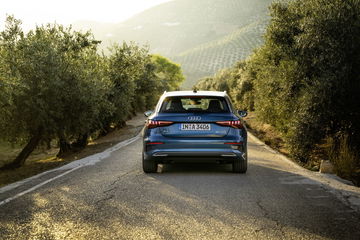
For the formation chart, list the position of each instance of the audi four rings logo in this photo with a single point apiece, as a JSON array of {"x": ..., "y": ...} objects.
[{"x": 194, "y": 118}]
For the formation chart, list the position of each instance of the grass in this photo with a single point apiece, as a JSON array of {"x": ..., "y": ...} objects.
[
  {"x": 7, "y": 152},
  {"x": 266, "y": 133},
  {"x": 346, "y": 160},
  {"x": 273, "y": 138},
  {"x": 39, "y": 161},
  {"x": 42, "y": 160}
]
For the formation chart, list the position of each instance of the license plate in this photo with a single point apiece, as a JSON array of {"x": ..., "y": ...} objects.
[{"x": 195, "y": 127}]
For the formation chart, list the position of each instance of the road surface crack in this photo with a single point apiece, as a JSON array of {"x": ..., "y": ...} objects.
[
  {"x": 112, "y": 187},
  {"x": 266, "y": 214},
  {"x": 263, "y": 209},
  {"x": 107, "y": 198}
]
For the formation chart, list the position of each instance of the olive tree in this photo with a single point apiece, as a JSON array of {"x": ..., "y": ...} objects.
[{"x": 51, "y": 84}]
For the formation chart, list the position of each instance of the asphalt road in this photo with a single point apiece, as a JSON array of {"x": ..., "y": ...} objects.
[{"x": 114, "y": 199}]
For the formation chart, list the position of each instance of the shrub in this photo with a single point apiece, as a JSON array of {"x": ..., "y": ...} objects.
[{"x": 346, "y": 159}]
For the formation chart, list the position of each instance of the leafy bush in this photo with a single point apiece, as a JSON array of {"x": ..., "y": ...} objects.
[
  {"x": 55, "y": 85},
  {"x": 305, "y": 79},
  {"x": 236, "y": 81},
  {"x": 345, "y": 159},
  {"x": 126, "y": 65},
  {"x": 311, "y": 50}
]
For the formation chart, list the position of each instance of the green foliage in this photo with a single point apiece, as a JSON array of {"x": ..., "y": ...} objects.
[
  {"x": 126, "y": 66},
  {"x": 54, "y": 82},
  {"x": 345, "y": 159},
  {"x": 147, "y": 87},
  {"x": 235, "y": 81},
  {"x": 168, "y": 73},
  {"x": 55, "y": 85},
  {"x": 311, "y": 50},
  {"x": 160, "y": 75},
  {"x": 206, "y": 83},
  {"x": 305, "y": 79}
]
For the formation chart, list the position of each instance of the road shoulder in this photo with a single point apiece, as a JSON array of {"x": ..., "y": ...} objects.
[
  {"x": 40, "y": 168},
  {"x": 343, "y": 189}
]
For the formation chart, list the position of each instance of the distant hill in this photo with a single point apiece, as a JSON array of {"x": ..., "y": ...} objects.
[
  {"x": 203, "y": 36},
  {"x": 208, "y": 58}
]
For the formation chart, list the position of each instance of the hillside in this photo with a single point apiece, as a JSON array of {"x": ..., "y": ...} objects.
[
  {"x": 203, "y": 36},
  {"x": 206, "y": 59}
]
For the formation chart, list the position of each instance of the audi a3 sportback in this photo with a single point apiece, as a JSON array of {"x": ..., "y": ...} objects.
[{"x": 191, "y": 126}]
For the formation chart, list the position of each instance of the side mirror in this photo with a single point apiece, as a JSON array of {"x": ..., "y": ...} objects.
[
  {"x": 148, "y": 113},
  {"x": 242, "y": 113}
]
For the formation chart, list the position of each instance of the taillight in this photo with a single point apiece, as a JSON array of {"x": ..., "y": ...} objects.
[
  {"x": 154, "y": 143},
  {"x": 234, "y": 124},
  {"x": 154, "y": 123},
  {"x": 236, "y": 145}
]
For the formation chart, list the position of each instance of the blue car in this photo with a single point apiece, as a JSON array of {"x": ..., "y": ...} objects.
[{"x": 195, "y": 126}]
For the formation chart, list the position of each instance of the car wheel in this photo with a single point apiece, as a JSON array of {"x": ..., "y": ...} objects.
[
  {"x": 240, "y": 166},
  {"x": 149, "y": 166}
]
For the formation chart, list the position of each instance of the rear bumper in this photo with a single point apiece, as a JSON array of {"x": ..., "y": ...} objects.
[
  {"x": 161, "y": 149},
  {"x": 195, "y": 155}
]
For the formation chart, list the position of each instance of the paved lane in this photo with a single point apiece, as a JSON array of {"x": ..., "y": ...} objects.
[{"x": 114, "y": 199}]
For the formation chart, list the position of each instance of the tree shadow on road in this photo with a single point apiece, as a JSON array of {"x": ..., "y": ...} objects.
[{"x": 185, "y": 201}]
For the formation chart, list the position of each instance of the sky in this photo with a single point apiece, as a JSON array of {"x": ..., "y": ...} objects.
[{"x": 32, "y": 12}]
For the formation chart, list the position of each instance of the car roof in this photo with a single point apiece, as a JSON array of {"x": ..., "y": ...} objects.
[{"x": 193, "y": 93}]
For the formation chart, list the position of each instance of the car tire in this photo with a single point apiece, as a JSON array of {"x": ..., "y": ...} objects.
[
  {"x": 149, "y": 166},
  {"x": 240, "y": 166}
]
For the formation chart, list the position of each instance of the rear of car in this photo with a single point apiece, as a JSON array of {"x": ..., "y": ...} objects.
[{"x": 195, "y": 127}]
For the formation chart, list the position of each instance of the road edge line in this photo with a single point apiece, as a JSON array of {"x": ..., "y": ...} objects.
[
  {"x": 74, "y": 165},
  {"x": 37, "y": 186}
]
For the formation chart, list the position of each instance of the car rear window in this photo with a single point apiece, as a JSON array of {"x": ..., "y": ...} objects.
[{"x": 187, "y": 104}]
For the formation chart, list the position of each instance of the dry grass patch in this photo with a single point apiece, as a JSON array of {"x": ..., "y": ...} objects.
[
  {"x": 266, "y": 133},
  {"x": 344, "y": 159},
  {"x": 273, "y": 138}
]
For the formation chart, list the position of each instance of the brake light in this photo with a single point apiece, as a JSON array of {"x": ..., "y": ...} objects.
[
  {"x": 155, "y": 124},
  {"x": 154, "y": 143},
  {"x": 236, "y": 145},
  {"x": 233, "y": 124}
]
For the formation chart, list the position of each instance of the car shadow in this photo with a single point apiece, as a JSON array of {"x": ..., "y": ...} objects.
[{"x": 195, "y": 168}]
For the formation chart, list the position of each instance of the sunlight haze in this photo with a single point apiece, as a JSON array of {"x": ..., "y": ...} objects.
[{"x": 69, "y": 11}]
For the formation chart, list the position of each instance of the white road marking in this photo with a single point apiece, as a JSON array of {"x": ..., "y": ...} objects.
[
  {"x": 90, "y": 160},
  {"x": 37, "y": 186}
]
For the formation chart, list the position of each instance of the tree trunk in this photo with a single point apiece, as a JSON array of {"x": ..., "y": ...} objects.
[
  {"x": 65, "y": 147},
  {"x": 48, "y": 144},
  {"x": 25, "y": 153},
  {"x": 121, "y": 124},
  {"x": 105, "y": 129},
  {"x": 81, "y": 142}
]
